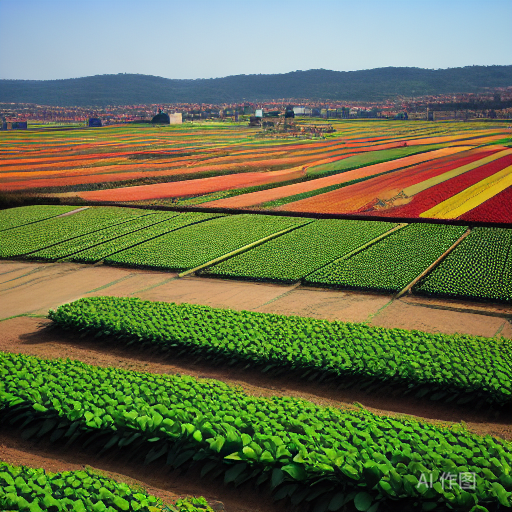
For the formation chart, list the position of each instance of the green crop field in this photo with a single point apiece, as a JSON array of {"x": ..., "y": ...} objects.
[
  {"x": 196, "y": 245},
  {"x": 298, "y": 253},
  {"x": 480, "y": 267},
  {"x": 319, "y": 415},
  {"x": 433, "y": 365},
  {"x": 299, "y": 450},
  {"x": 392, "y": 263},
  {"x": 46, "y": 233},
  {"x": 362, "y": 254},
  {"x": 15, "y": 217},
  {"x": 162, "y": 223}
]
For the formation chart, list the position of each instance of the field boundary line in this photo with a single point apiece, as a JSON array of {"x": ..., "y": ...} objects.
[
  {"x": 294, "y": 286},
  {"x": 357, "y": 249},
  {"x": 240, "y": 250},
  {"x": 142, "y": 290},
  {"x": 432, "y": 265},
  {"x": 371, "y": 316},
  {"x": 108, "y": 285},
  {"x": 73, "y": 211}
]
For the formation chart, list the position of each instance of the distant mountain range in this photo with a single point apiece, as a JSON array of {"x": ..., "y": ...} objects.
[{"x": 316, "y": 84}]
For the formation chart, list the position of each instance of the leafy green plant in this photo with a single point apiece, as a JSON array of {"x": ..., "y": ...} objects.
[
  {"x": 451, "y": 367},
  {"x": 301, "y": 451},
  {"x": 35, "y": 490}
]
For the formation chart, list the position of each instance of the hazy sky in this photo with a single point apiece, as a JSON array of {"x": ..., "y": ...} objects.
[{"x": 47, "y": 39}]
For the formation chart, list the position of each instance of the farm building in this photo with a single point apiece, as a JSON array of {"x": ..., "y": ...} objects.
[{"x": 14, "y": 125}]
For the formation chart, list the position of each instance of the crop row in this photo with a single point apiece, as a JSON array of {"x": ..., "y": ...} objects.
[
  {"x": 294, "y": 255},
  {"x": 115, "y": 245},
  {"x": 198, "y": 244},
  {"x": 392, "y": 263},
  {"x": 23, "y": 488},
  {"x": 442, "y": 366},
  {"x": 301, "y": 450},
  {"x": 15, "y": 217},
  {"x": 34, "y": 237},
  {"x": 480, "y": 267}
]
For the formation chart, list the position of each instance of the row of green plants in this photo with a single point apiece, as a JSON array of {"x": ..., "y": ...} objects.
[
  {"x": 480, "y": 267},
  {"x": 394, "y": 262},
  {"x": 108, "y": 248},
  {"x": 28, "y": 239},
  {"x": 452, "y": 367},
  {"x": 306, "y": 453},
  {"x": 294, "y": 255},
  {"x": 35, "y": 490},
  {"x": 198, "y": 244},
  {"x": 20, "y": 216},
  {"x": 67, "y": 249}
]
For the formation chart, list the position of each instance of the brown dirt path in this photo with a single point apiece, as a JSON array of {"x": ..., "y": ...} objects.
[{"x": 33, "y": 288}]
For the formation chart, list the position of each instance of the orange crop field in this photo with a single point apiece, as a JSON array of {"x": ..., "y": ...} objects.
[{"x": 359, "y": 167}]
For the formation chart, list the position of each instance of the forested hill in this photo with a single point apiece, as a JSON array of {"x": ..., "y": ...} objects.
[{"x": 317, "y": 84}]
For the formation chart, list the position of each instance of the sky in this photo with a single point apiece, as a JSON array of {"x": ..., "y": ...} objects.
[{"x": 56, "y": 39}]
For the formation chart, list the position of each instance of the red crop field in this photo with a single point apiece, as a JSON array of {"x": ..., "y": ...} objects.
[{"x": 357, "y": 197}]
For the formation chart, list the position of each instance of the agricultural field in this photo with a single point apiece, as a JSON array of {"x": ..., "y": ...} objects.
[
  {"x": 481, "y": 267},
  {"x": 379, "y": 168},
  {"x": 392, "y": 263},
  {"x": 200, "y": 244},
  {"x": 294, "y": 255},
  {"x": 243, "y": 408},
  {"x": 433, "y": 259}
]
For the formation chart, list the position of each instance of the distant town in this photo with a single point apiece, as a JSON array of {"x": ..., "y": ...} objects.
[{"x": 494, "y": 104}]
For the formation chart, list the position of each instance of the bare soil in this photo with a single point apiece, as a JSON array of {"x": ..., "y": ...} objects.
[{"x": 34, "y": 288}]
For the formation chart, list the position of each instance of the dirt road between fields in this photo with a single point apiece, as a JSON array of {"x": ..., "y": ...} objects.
[{"x": 34, "y": 288}]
